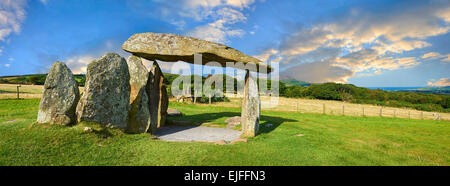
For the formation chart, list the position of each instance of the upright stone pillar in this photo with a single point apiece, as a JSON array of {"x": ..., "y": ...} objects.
[
  {"x": 164, "y": 105},
  {"x": 251, "y": 107},
  {"x": 60, "y": 96},
  {"x": 158, "y": 99},
  {"x": 106, "y": 96},
  {"x": 139, "y": 114}
]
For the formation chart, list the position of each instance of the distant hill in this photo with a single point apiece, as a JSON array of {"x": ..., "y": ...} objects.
[
  {"x": 429, "y": 90},
  {"x": 291, "y": 82}
]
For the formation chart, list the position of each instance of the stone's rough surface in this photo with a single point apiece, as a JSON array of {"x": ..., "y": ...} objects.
[
  {"x": 164, "y": 105},
  {"x": 107, "y": 92},
  {"x": 60, "y": 96},
  {"x": 233, "y": 121},
  {"x": 158, "y": 102},
  {"x": 173, "y": 112},
  {"x": 251, "y": 107},
  {"x": 173, "y": 48},
  {"x": 139, "y": 114}
]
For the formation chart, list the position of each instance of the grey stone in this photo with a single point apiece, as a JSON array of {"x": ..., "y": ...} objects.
[
  {"x": 173, "y": 112},
  {"x": 107, "y": 92},
  {"x": 173, "y": 48},
  {"x": 251, "y": 107},
  {"x": 157, "y": 101},
  {"x": 164, "y": 105},
  {"x": 139, "y": 114},
  {"x": 233, "y": 121},
  {"x": 60, "y": 96}
]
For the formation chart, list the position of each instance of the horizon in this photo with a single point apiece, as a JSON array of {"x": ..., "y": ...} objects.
[{"x": 368, "y": 44}]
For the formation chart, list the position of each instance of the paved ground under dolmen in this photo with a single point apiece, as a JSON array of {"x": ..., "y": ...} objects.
[{"x": 196, "y": 133}]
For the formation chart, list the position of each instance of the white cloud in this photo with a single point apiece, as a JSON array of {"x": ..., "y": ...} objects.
[
  {"x": 436, "y": 55},
  {"x": 431, "y": 55},
  {"x": 364, "y": 41},
  {"x": 447, "y": 58},
  {"x": 44, "y": 2},
  {"x": 218, "y": 17},
  {"x": 7, "y": 65},
  {"x": 266, "y": 54},
  {"x": 240, "y": 3},
  {"x": 219, "y": 30},
  {"x": 78, "y": 64},
  {"x": 12, "y": 14},
  {"x": 319, "y": 72},
  {"x": 10, "y": 59},
  {"x": 443, "y": 82}
]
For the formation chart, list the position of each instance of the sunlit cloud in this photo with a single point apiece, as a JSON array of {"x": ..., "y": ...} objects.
[
  {"x": 436, "y": 55},
  {"x": 365, "y": 41},
  {"x": 443, "y": 82},
  {"x": 78, "y": 64}
]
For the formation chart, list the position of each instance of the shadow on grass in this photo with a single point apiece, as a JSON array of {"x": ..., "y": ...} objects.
[{"x": 191, "y": 121}]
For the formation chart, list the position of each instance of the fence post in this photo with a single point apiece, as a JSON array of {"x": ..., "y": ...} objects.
[
  {"x": 409, "y": 114},
  {"x": 343, "y": 110},
  {"x": 421, "y": 115},
  {"x": 324, "y": 111},
  {"x": 210, "y": 99},
  {"x": 381, "y": 112},
  {"x": 395, "y": 113},
  {"x": 363, "y": 112},
  {"x": 18, "y": 97}
]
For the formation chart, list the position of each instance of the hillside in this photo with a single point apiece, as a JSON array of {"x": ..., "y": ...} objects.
[
  {"x": 430, "y": 90},
  {"x": 294, "y": 82}
]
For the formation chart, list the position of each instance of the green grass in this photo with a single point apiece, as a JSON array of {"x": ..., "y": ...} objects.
[{"x": 327, "y": 140}]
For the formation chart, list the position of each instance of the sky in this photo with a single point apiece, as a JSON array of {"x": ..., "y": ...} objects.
[{"x": 370, "y": 43}]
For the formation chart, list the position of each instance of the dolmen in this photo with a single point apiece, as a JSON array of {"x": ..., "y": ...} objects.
[{"x": 125, "y": 94}]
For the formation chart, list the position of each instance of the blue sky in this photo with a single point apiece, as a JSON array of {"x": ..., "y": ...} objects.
[{"x": 366, "y": 43}]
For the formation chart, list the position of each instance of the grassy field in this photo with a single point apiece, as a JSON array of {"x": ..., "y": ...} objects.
[{"x": 326, "y": 140}]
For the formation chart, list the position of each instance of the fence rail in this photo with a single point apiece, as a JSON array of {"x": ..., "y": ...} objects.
[{"x": 349, "y": 109}]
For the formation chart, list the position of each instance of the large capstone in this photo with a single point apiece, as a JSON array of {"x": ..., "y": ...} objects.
[
  {"x": 251, "y": 107},
  {"x": 158, "y": 100},
  {"x": 173, "y": 48},
  {"x": 60, "y": 96},
  {"x": 139, "y": 114},
  {"x": 107, "y": 92}
]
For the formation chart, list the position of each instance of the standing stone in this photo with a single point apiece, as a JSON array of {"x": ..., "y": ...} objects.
[
  {"x": 164, "y": 105},
  {"x": 60, "y": 96},
  {"x": 158, "y": 100},
  {"x": 107, "y": 92},
  {"x": 139, "y": 114},
  {"x": 251, "y": 107}
]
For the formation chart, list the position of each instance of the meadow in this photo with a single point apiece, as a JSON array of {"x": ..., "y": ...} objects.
[{"x": 293, "y": 139}]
